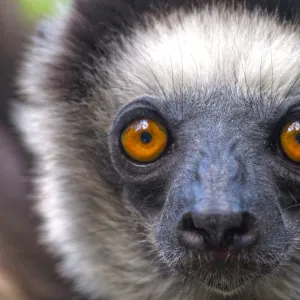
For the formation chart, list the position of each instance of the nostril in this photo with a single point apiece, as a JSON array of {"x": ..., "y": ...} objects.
[
  {"x": 188, "y": 225},
  {"x": 189, "y": 235},
  {"x": 242, "y": 236},
  {"x": 187, "y": 222}
]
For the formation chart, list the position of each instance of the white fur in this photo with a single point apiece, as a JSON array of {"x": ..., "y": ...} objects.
[
  {"x": 250, "y": 53},
  {"x": 68, "y": 229}
]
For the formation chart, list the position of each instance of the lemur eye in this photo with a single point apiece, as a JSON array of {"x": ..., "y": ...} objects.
[
  {"x": 290, "y": 140},
  {"x": 144, "y": 140}
]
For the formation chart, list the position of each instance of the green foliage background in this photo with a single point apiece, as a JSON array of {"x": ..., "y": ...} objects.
[{"x": 35, "y": 9}]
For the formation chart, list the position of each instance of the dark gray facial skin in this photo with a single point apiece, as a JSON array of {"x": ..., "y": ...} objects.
[{"x": 223, "y": 160}]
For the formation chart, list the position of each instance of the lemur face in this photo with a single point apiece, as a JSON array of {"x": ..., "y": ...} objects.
[
  {"x": 166, "y": 138},
  {"x": 214, "y": 197}
]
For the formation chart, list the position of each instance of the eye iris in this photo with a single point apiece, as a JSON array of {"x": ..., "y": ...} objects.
[
  {"x": 144, "y": 140},
  {"x": 290, "y": 141}
]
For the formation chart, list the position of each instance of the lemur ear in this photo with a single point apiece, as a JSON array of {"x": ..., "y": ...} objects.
[
  {"x": 80, "y": 5},
  {"x": 86, "y": 6},
  {"x": 98, "y": 18},
  {"x": 122, "y": 7}
]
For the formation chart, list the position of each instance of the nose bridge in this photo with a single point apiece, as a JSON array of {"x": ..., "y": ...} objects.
[
  {"x": 218, "y": 173},
  {"x": 219, "y": 217}
]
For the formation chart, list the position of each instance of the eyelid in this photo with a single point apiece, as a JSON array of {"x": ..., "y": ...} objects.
[
  {"x": 140, "y": 110},
  {"x": 130, "y": 112},
  {"x": 286, "y": 112}
]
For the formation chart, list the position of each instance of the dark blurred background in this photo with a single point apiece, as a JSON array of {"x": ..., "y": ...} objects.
[{"x": 26, "y": 271}]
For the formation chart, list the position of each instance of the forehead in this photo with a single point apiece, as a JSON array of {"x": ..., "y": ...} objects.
[{"x": 246, "y": 53}]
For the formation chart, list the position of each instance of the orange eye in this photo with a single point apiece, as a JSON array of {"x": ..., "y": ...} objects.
[
  {"x": 144, "y": 140},
  {"x": 290, "y": 140}
]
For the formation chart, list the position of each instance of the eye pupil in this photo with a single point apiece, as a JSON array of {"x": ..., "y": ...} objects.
[
  {"x": 298, "y": 138},
  {"x": 146, "y": 137}
]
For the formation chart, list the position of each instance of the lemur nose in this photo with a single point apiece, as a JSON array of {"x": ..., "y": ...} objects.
[{"x": 217, "y": 231}]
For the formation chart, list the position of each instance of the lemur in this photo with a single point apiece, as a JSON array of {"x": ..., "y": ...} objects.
[{"x": 165, "y": 137}]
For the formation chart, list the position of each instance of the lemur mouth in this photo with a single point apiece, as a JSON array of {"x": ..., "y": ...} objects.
[
  {"x": 231, "y": 260},
  {"x": 224, "y": 271},
  {"x": 222, "y": 256},
  {"x": 231, "y": 273}
]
